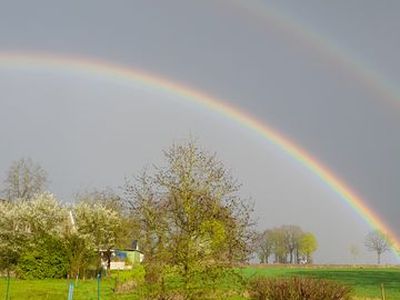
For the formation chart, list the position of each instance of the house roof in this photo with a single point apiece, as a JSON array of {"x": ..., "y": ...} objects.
[
  {"x": 122, "y": 249},
  {"x": 129, "y": 250}
]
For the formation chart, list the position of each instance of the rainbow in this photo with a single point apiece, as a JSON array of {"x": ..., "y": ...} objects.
[
  {"x": 344, "y": 59},
  {"x": 120, "y": 73}
]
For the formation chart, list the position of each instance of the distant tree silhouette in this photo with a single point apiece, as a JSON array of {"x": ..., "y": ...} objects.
[
  {"x": 24, "y": 180},
  {"x": 378, "y": 242}
]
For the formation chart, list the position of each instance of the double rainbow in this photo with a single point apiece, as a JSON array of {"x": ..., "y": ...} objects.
[
  {"x": 337, "y": 55},
  {"x": 122, "y": 74}
]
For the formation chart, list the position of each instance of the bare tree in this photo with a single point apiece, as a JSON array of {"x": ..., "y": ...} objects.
[
  {"x": 106, "y": 197},
  {"x": 24, "y": 179},
  {"x": 378, "y": 242},
  {"x": 265, "y": 246},
  {"x": 354, "y": 251}
]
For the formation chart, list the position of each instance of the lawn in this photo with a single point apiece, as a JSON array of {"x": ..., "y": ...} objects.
[
  {"x": 57, "y": 289},
  {"x": 365, "y": 280}
]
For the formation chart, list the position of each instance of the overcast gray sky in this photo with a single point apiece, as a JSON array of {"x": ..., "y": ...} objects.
[{"x": 261, "y": 56}]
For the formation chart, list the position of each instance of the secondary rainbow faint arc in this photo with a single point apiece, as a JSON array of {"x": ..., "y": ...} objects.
[
  {"x": 352, "y": 66},
  {"x": 121, "y": 73}
]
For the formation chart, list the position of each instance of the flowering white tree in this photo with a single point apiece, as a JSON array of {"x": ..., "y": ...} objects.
[
  {"x": 31, "y": 235},
  {"x": 102, "y": 226},
  {"x": 38, "y": 233},
  {"x": 12, "y": 235},
  {"x": 43, "y": 214}
]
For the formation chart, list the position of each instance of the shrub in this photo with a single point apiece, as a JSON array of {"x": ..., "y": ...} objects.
[
  {"x": 45, "y": 258},
  {"x": 297, "y": 288}
]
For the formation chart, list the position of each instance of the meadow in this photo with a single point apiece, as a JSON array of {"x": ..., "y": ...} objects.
[{"x": 365, "y": 280}]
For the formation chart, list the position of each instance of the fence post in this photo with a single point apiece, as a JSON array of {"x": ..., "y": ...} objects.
[
  {"x": 383, "y": 292},
  {"x": 8, "y": 285},
  {"x": 98, "y": 285},
  {"x": 71, "y": 291}
]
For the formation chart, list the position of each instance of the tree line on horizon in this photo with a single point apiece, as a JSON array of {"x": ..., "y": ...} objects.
[{"x": 287, "y": 244}]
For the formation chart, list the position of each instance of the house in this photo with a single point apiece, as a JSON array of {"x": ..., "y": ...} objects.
[{"x": 123, "y": 259}]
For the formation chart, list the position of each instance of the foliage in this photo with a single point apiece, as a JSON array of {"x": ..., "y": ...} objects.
[
  {"x": 287, "y": 244},
  {"x": 83, "y": 260},
  {"x": 297, "y": 288},
  {"x": 45, "y": 258},
  {"x": 307, "y": 246},
  {"x": 12, "y": 235},
  {"x": 292, "y": 237},
  {"x": 25, "y": 223},
  {"x": 127, "y": 280},
  {"x": 42, "y": 215},
  {"x": 190, "y": 218},
  {"x": 101, "y": 227},
  {"x": 38, "y": 236},
  {"x": 24, "y": 180}
]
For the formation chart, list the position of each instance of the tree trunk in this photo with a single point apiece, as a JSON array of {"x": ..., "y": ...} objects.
[{"x": 108, "y": 260}]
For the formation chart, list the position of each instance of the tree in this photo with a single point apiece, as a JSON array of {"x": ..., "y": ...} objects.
[
  {"x": 190, "y": 217},
  {"x": 12, "y": 235},
  {"x": 106, "y": 197},
  {"x": 43, "y": 215},
  {"x": 279, "y": 248},
  {"x": 291, "y": 236},
  {"x": 307, "y": 246},
  {"x": 30, "y": 236},
  {"x": 378, "y": 242},
  {"x": 24, "y": 179},
  {"x": 80, "y": 253},
  {"x": 354, "y": 251},
  {"x": 265, "y": 246},
  {"x": 102, "y": 227},
  {"x": 288, "y": 243}
]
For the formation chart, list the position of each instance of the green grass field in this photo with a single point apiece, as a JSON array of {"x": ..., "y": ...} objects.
[{"x": 365, "y": 281}]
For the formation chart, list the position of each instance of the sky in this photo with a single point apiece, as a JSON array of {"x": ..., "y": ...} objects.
[{"x": 324, "y": 74}]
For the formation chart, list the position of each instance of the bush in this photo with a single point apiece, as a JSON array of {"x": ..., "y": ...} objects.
[
  {"x": 217, "y": 283},
  {"x": 45, "y": 258},
  {"x": 297, "y": 288}
]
